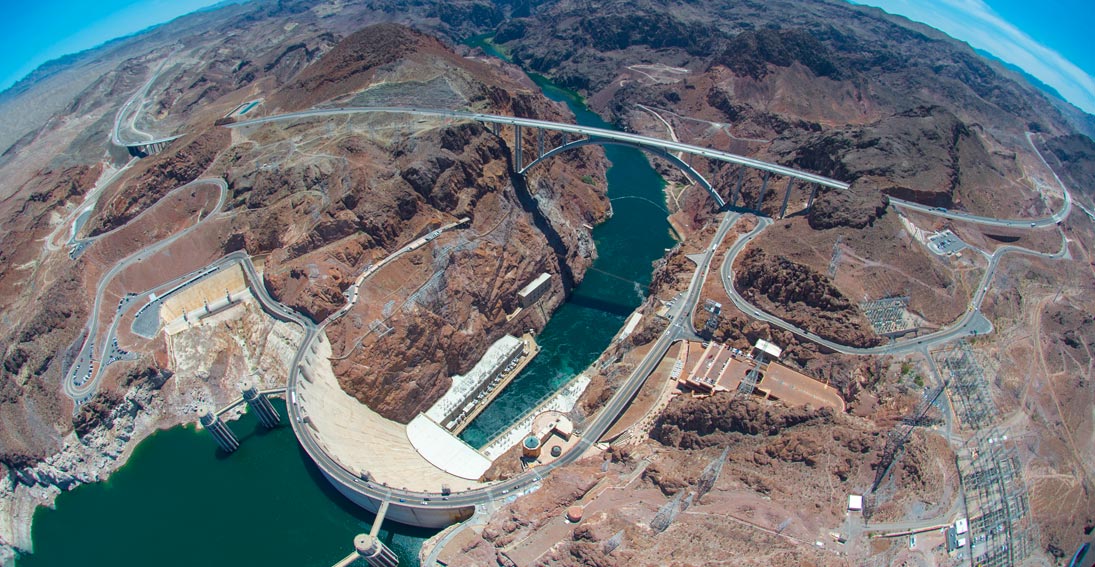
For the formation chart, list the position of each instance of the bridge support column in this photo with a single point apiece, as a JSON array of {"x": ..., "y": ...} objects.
[
  {"x": 540, "y": 143},
  {"x": 517, "y": 147},
  {"x": 258, "y": 403},
  {"x": 497, "y": 128},
  {"x": 220, "y": 432},
  {"x": 786, "y": 197},
  {"x": 763, "y": 190},
  {"x": 813, "y": 193},
  {"x": 737, "y": 188}
]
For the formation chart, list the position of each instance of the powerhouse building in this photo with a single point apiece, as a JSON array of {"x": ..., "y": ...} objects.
[{"x": 469, "y": 389}]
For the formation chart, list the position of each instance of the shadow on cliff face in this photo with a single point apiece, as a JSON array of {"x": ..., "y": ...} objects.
[{"x": 528, "y": 203}]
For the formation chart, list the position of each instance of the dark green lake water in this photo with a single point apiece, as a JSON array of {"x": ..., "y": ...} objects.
[{"x": 179, "y": 502}]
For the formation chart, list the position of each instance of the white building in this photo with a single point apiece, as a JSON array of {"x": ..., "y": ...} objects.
[
  {"x": 534, "y": 290},
  {"x": 855, "y": 502}
]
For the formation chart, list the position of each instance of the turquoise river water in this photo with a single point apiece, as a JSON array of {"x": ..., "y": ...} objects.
[{"x": 180, "y": 502}]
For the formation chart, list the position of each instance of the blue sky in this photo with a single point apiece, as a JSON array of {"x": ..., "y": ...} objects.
[
  {"x": 33, "y": 32},
  {"x": 1050, "y": 39}
]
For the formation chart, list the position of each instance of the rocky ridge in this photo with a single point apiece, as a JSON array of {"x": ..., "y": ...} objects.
[
  {"x": 445, "y": 172},
  {"x": 803, "y": 297}
]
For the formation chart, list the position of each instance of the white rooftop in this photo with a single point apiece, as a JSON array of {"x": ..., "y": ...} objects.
[
  {"x": 769, "y": 348},
  {"x": 534, "y": 283},
  {"x": 855, "y": 502},
  {"x": 464, "y": 385},
  {"x": 445, "y": 450}
]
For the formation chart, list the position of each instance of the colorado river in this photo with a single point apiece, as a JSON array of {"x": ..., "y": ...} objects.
[
  {"x": 179, "y": 502},
  {"x": 627, "y": 244}
]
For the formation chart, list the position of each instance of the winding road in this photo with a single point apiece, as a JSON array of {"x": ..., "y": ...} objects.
[
  {"x": 971, "y": 323},
  {"x": 81, "y": 391},
  {"x": 115, "y": 133},
  {"x": 69, "y": 224}
]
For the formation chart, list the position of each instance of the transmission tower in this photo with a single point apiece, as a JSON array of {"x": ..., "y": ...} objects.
[
  {"x": 666, "y": 514},
  {"x": 895, "y": 441},
  {"x": 613, "y": 542},
  {"x": 711, "y": 474}
]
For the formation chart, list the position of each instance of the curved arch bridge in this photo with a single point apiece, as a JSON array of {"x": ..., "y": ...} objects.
[{"x": 585, "y": 136}]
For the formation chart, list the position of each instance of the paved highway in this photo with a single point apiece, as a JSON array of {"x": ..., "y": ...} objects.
[
  {"x": 1060, "y": 215},
  {"x": 115, "y": 133},
  {"x": 90, "y": 200},
  {"x": 972, "y": 322},
  {"x": 558, "y": 127},
  {"x": 85, "y": 359},
  {"x": 1051, "y": 220}
]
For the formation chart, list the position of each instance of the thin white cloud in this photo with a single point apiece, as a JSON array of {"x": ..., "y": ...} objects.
[{"x": 976, "y": 23}]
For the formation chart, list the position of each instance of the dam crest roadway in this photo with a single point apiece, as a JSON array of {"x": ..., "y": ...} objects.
[{"x": 436, "y": 509}]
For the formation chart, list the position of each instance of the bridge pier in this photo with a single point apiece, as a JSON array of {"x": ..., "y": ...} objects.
[
  {"x": 813, "y": 193},
  {"x": 786, "y": 197},
  {"x": 517, "y": 147},
  {"x": 737, "y": 188},
  {"x": 220, "y": 432},
  {"x": 540, "y": 142},
  {"x": 763, "y": 190},
  {"x": 258, "y": 403}
]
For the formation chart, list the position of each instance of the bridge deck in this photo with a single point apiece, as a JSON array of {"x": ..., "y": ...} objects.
[{"x": 560, "y": 127}]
